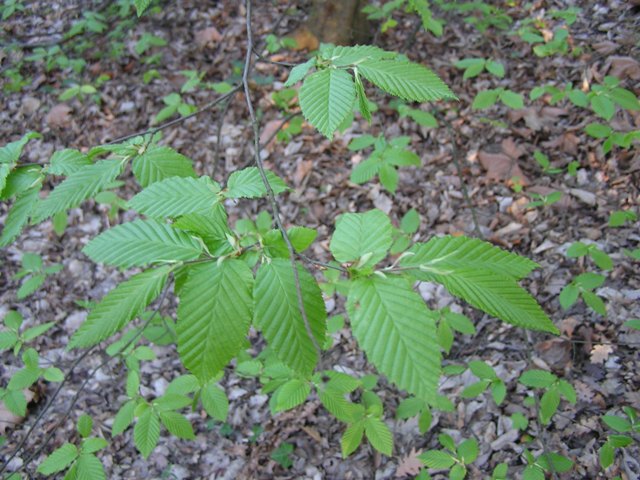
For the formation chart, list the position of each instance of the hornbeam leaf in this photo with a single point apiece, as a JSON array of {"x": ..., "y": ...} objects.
[
  {"x": 80, "y": 185},
  {"x": 278, "y": 315},
  {"x": 247, "y": 183},
  {"x": 19, "y": 214},
  {"x": 359, "y": 234},
  {"x": 342, "y": 56},
  {"x": 160, "y": 163},
  {"x": 406, "y": 80},
  {"x": 397, "y": 332},
  {"x": 177, "y": 196},
  {"x": 326, "y": 98},
  {"x": 379, "y": 435},
  {"x": 214, "y": 316},
  {"x": 119, "y": 307},
  {"x": 67, "y": 162},
  {"x": 443, "y": 254},
  {"x": 142, "y": 242},
  {"x": 146, "y": 433}
]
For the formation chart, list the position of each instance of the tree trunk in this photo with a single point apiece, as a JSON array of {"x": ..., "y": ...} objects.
[{"x": 340, "y": 22}]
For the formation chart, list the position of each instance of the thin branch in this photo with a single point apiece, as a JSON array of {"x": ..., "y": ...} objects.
[
  {"x": 171, "y": 123},
  {"x": 264, "y": 59},
  {"x": 270, "y": 194},
  {"x": 75, "y": 398},
  {"x": 44, "y": 410}
]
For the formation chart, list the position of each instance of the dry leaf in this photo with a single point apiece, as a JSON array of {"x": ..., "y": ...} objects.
[
  {"x": 305, "y": 40},
  {"x": 501, "y": 167},
  {"x": 410, "y": 465},
  {"x": 622, "y": 67},
  {"x": 303, "y": 168},
  {"x": 605, "y": 47},
  {"x": 207, "y": 37},
  {"x": 59, "y": 116},
  {"x": 556, "y": 353},
  {"x": 511, "y": 148},
  {"x": 268, "y": 131},
  {"x": 600, "y": 353}
]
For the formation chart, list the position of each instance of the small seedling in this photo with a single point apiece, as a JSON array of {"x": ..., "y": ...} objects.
[
  {"x": 452, "y": 458},
  {"x": 583, "y": 286},
  {"x": 34, "y": 274},
  {"x": 601, "y": 259},
  {"x": 13, "y": 338}
]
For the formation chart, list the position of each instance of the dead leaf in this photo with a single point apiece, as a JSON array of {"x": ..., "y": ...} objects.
[
  {"x": 305, "y": 40},
  {"x": 600, "y": 353},
  {"x": 511, "y": 148},
  {"x": 207, "y": 37},
  {"x": 606, "y": 47},
  {"x": 59, "y": 116},
  {"x": 621, "y": 67},
  {"x": 501, "y": 167},
  {"x": 556, "y": 353},
  {"x": 268, "y": 131},
  {"x": 410, "y": 464},
  {"x": 568, "y": 325},
  {"x": 303, "y": 168}
]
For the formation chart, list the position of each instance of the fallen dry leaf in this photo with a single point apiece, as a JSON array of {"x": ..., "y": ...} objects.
[
  {"x": 600, "y": 353},
  {"x": 207, "y": 37},
  {"x": 500, "y": 166},
  {"x": 556, "y": 353},
  {"x": 622, "y": 67},
  {"x": 303, "y": 168},
  {"x": 305, "y": 40},
  {"x": 410, "y": 464},
  {"x": 59, "y": 116},
  {"x": 605, "y": 47}
]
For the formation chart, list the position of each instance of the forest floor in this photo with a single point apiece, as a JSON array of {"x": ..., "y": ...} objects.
[{"x": 465, "y": 185}]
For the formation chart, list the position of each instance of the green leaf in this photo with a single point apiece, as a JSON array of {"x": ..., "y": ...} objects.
[
  {"x": 215, "y": 401},
  {"x": 410, "y": 81},
  {"x": 363, "y": 103},
  {"x": 482, "y": 370},
  {"x": 15, "y": 402},
  {"x": 24, "y": 378},
  {"x": 352, "y": 438},
  {"x": 555, "y": 462},
  {"x": 601, "y": 259},
  {"x": 89, "y": 467},
  {"x": 214, "y": 315},
  {"x": 410, "y": 407},
  {"x": 140, "y": 243},
  {"x": 498, "y": 391},
  {"x": 437, "y": 459},
  {"x": 568, "y": 296},
  {"x": 301, "y": 237},
  {"x": 7, "y": 339},
  {"x": 66, "y": 162},
  {"x": 379, "y": 435},
  {"x": 247, "y": 183},
  {"x": 93, "y": 444},
  {"x": 177, "y": 425},
  {"x": 177, "y": 196},
  {"x": 211, "y": 227},
  {"x": 19, "y": 214},
  {"x": 80, "y": 185},
  {"x": 141, "y": 6},
  {"x": 29, "y": 286},
  {"x": 625, "y": 98},
  {"x": 362, "y": 142},
  {"x": 595, "y": 302},
  {"x": 634, "y": 323},
  {"x": 343, "y": 56},
  {"x": 160, "y": 163},
  {"x": 60, "y": 459},
  {"x": 326, "y": 98},
  {"x": 123, "y": 418},
  {"x": 606, "y": 454},
  {"x": 397, "y": 332},
  {"x": 21, "y": 179},
  {"x": 475, "y": 389},
  {"x": 603, "y": 107},
  {"x": 495, "y": 68},
  {"x": 85, "y": 424},
  {"x": 400, "y": 157},
  {"x": 299, "y": 72},
  {"x": 388, "y": 177},
  {"x": 616, "y": 423},
  {"x": 360, "y": 234},
  {"x": 451, "y": 253},
  {"x": 119, "y": 307},
  {"x": 485, "y": 99},
  {"x": 33, "y": 332},
  {"x": 598, "y": 130},
  {"x": 468, "y": 451},
  {"x": 537, "y": 378},
  {"x": 512, "y": 99},
  {"x": 278, "y": 315},
  {"x": 292, "y": 394},
  {"x": 366, "y": 170},
  {"x": 147, "y": 432}
]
